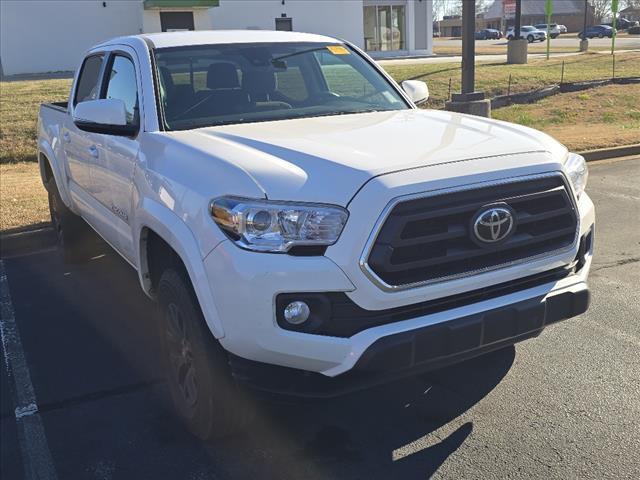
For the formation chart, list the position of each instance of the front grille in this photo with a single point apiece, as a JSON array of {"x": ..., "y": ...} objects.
[{"x": 430, "y": 238}]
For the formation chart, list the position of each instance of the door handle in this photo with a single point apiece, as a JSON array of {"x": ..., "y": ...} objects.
[
  {"x": 66, "y": 137},
  {"x": 93, "y": 151}
]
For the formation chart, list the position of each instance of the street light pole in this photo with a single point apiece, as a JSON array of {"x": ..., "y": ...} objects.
[
  {"x": 516, "y": 28},
  {"x": 584, "y": 41},
  {"x": 468, "y": 46},
  {"x": 468, "y": 100},
  {"x": 517, "y": 47}
]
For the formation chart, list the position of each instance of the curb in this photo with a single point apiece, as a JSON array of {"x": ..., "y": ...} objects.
[
  {"x": 12, "y": 244},
  {"x": 614, "y": 152}
]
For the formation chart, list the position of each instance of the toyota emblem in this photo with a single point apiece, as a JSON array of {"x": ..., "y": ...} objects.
[{"x": 493, "y": 223}]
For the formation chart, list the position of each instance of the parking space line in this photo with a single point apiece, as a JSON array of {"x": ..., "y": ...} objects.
[{"x": 36, "y": 457}]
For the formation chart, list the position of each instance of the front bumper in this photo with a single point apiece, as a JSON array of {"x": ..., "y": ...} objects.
[
  {"x": 245, "y": 287},
  {"x": 422, "y": 349}
]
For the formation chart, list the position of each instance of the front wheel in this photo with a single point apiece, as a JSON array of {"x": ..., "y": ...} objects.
[
  {"x": 600, "y": 35},
  {"x": 202, "y": 389}
]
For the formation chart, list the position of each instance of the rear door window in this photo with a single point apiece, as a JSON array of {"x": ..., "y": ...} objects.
[{"x": 88, "y": 82}]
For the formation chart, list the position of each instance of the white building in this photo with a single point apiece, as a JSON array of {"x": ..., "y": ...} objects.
[{"x": 39, "y": 36}]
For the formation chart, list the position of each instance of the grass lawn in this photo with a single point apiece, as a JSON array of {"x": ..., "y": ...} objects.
[
  {"x": 493, "y": 78},
  {"x": 603, "y": 113},
  {"x": 23, "y": 199},
  {"x": 584, "y": 120}
]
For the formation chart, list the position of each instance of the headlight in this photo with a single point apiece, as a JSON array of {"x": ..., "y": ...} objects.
[
  {"x": 576, "y": 168},
  {"x": 267, "y": 226}
]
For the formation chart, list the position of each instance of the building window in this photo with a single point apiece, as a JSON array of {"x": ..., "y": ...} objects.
[
  {"x": 176, "y": 21},
  {"x": 284, "y": 24},
  {"x": 384, "y": 27}
]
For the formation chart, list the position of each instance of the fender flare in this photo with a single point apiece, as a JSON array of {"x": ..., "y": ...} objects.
[
  {"x": 46, "y": 154},
  {"x": 166, "y": 224}
]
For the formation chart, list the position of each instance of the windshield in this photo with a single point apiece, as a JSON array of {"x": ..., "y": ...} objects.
[{"x": 224, "y": 84}]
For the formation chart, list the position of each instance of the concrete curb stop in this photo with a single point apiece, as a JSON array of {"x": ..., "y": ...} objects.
[{"x": 614, "y": 152}]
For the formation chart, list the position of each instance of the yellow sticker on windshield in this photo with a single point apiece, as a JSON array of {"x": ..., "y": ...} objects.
[{"x": 337, "y": 49}]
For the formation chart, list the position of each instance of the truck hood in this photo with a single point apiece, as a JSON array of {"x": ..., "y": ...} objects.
[{"x": 327, "y": 159}]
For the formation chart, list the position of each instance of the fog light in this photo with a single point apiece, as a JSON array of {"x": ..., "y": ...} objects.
[{"x": 297, "y": 312}]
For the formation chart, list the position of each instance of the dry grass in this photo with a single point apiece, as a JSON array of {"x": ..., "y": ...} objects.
[
  {"x": 23, "y": 199},
  {"x": 597, "y": 118},
  {"x": 493, "y": 78},
  {"x": 19, "y": 102}
]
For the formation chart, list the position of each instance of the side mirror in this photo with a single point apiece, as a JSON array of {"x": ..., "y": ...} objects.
[
  {"x": 418, "y": 91},
  {"x": 106, "y": 116}
]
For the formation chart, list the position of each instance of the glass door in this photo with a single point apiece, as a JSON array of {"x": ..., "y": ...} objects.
[{"x": 384, "y": 27}]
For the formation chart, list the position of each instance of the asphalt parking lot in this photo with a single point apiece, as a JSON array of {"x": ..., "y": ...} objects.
[{"x": 564, "y": 405}]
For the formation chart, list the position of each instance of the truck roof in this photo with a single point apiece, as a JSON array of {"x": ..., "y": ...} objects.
[{"x": 207, "y": 37}]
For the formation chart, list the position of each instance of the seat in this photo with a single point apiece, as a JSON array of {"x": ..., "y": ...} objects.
[
  {"x": 177, "y": 97},
  {"x": 223, "y": 95},
  {"x": 260, "y": 86}
]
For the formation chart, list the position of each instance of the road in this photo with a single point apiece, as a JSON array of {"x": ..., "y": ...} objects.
[{"x": 564, "y": 405}]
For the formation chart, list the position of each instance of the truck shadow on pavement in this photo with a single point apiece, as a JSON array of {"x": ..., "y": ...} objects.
[
  {"x": 97, "y": 372},
  {"x": 406, "y": 429}
]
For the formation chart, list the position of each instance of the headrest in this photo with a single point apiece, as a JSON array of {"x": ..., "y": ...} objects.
[
  {"x": 166, "y": 79},
  {"x": 259, "y": 82},
  {"x": 222, "y": 75}
]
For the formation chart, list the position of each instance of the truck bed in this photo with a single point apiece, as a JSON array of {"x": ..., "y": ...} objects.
[{"x": 61, "y": 106}]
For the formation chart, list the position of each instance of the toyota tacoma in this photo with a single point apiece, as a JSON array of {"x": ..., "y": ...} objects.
[{"x": 303, "y": 226}]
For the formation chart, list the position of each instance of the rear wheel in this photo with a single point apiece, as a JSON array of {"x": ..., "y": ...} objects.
[
  {"x": 204, "y": 394},
  {"x": 600, "y": 35},
  {"x": 73, "y": 235},
  {"x": 530, "y": 38}
]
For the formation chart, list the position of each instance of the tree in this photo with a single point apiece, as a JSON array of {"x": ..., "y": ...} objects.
[{"x": 601, "y": 9}]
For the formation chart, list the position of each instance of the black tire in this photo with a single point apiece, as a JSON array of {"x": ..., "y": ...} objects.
[
  {"x": 530, "y": 38},
  {"x": 73, "y": 236},
  {"x": 600, "y": 35},
  {"x": 204, "y": 394}
]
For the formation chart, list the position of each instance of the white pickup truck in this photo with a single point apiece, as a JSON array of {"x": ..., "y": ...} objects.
[{"x": 304, "y": 227}]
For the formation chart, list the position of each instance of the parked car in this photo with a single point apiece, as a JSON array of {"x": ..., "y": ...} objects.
[
  {"x": 634, "y": 30},
  {"x": 553, "y": 29},
  {"x": 599, "y": 31},
  {"x": 529, "y": 32},
  {"x": 622, "y": 24},
  {"x": 297, "y": 237},
  {"x": 562, "y": 28},
  {"x": 488, "y": 34}
]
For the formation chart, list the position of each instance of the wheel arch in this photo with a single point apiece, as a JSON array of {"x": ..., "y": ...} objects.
[
  {"x": 162, "y": 234},
  {"x": 49, "y": 168}
]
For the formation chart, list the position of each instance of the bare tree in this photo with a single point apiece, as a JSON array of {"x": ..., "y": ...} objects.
[
  {"x": 601, "y": 9},
  {"x": 630, "y": 3}
]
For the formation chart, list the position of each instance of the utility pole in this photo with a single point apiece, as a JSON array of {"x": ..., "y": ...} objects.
[
  {"x": 516, "y": 28},
  {"x": 517, "y": 47},
  {"x": 584, "y": 41},
  {"x": 468, "y": 100},
  {"x": 468, "y": 46}
]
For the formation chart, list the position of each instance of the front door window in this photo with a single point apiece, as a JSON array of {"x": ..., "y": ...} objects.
[{"x": 384, "y": 27}]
